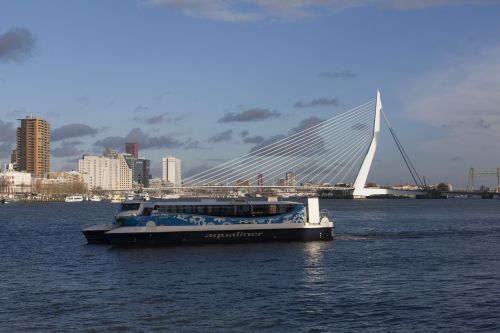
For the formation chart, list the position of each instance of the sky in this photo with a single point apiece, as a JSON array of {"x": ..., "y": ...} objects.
[{"x": 206, "y": 81}]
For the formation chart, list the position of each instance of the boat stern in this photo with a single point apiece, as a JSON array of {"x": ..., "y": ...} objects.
[{"x": 96, "y": 233}]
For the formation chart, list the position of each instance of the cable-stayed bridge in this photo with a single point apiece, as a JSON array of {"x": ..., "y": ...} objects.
[{"x": 334, "y": 155}]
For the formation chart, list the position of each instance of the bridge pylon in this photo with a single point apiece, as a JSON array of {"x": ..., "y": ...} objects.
[{"x": 359, "y": 184}]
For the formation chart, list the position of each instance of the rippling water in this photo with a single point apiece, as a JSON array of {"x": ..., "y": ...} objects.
[{"x": 394, "y": 265}]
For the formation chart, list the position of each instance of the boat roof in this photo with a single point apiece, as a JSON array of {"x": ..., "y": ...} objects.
[{"x": 210, "y": 202}]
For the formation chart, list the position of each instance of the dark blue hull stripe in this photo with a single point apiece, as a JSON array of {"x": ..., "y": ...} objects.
[{"x": 200, "y": 237}]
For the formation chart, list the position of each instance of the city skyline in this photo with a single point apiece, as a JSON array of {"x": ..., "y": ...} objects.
[{"x": 208, "y": 85}]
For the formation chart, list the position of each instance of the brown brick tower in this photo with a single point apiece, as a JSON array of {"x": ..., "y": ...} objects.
[{"x": 33, "y": 146}]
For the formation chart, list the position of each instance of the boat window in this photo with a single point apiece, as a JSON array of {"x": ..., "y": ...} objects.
[
  {"x": 283, "y": 209},
  {"x": 242, "y": 210},
  {"x": 130, "y": 206},
  {"x": 165, "y": 209},
  {"x": 231, "y": 210},
  {"x": 259, "y": 210},
  {"x": 237, "y": 210},
  {"x": 147, "y": 211}
]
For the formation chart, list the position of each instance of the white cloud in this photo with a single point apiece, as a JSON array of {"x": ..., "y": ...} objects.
[
  {"x": 462, "y": 99},
  {"x": 256, "y": 10}
]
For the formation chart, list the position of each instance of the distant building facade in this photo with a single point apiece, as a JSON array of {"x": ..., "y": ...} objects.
[
  {"x": 132, "y": 148},
  {"x": 59, "y": 183},
  {"x": 13, "y": 158},
  {"x": 12, "y": 181},
  {"x": 242, "y": 183},
  {"x": 142, "y": 172},
  {"x": 32, "y": 152},
  {"x": 155, "y": 183},
  {"x": 129, "y": 158},
  {"x": 106, "y": 173},
  {"x": 171, "y": 170},
  {"x": 290, "y": 179}
]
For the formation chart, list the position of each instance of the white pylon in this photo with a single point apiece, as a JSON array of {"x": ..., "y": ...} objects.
[{"x": 360, "y": 182}]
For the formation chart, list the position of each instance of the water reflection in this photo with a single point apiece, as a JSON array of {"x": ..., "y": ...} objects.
[{"x": 314, "y": 262}]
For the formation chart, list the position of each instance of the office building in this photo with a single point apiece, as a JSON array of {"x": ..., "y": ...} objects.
[
  {"x": 106, "y": 173},
  {"x": 130, "y": 160},
  {"x": 141, "y": 172},
  {"x": 171, "y": 170},
  {"x": 132, "y": 148},
  {"x": 33, "y": 146},
  {"x": 291, "y": 178}
]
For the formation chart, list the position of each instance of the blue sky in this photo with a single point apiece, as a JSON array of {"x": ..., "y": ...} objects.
[{"x": 165, "y": 71}]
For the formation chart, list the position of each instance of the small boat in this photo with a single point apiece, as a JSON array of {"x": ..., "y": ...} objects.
[
  {"x": 95, "y": 198},
  {"x": 116, "y": 198},
  {"x": 74, "y": 198},
  {"x": 130, "y": 197},
  {"x": 145, "y": 196},
  {"x": 212, "y": 221},
  {"x": 170, "y": 196}
]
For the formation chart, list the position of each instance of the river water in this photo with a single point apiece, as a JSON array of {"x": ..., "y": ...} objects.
[{"x": 394, "y": 265}]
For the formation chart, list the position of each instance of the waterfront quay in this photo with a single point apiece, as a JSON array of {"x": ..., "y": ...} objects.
[{"x": 239, "y": 192}]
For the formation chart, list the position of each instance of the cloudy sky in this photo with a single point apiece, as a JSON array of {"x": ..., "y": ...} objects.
[{"x": 209, "y": 80}]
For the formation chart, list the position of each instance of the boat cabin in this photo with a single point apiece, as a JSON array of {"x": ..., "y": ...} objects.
[{"x": 209, "y": 208}]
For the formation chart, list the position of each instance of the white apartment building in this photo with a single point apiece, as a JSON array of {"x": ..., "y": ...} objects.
[
  {"x": 171, "y": 170},
  {"x": 105, "y": 173}
]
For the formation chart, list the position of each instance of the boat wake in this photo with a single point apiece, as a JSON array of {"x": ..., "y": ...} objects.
[{"x": 414, "y": 234}]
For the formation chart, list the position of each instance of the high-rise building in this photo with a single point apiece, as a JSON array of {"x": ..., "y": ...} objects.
[
  {"x": 33, "y": 146},
  {"x": 106, "y": 173},
  {"x": 171, "y": 170},
  {"x": 130, "y": 160},
  {"x": 133, "y": 149},
  {"x": 141, "y": 172},
  {"x": 291, "y": 178}
]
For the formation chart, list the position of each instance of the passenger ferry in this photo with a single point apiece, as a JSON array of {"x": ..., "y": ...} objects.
[
  {"x": 213, "y": 221},
  {"x": 74, "y": 198}
]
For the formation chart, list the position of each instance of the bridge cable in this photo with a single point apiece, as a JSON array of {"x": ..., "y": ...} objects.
[
  {"x": 264, "y": 156},
  {"x": 276, "y": 160},
  {"x": 406, "y": 158}
]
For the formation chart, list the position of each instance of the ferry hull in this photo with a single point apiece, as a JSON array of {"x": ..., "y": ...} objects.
[
  {"x": 219, "y": 236},
  {"x": 97, "y": 234}
]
